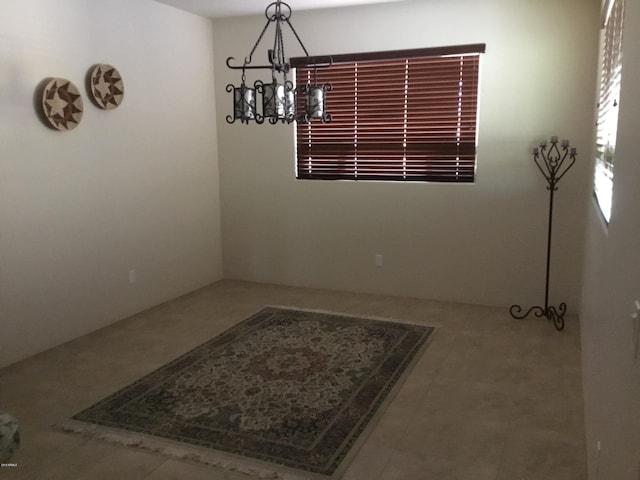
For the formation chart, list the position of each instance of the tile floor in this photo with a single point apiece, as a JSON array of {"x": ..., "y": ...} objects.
[{"x": 492, "y": 398}]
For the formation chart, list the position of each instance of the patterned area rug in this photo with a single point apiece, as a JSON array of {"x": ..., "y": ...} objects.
[{"x": 293, "y": 388}]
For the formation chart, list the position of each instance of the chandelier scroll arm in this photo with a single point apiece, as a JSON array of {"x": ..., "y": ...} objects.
[{"x": 246, "y": 67}]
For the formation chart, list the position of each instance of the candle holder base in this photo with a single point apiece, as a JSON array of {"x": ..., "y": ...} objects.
[{"x": 556, "y": 315}]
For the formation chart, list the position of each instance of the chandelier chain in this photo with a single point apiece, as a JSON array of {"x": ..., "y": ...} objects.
[{"x": 280, "y": 54}]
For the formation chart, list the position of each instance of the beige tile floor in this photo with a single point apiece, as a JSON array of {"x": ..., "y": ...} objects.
[{"x": 492, "y": 398}]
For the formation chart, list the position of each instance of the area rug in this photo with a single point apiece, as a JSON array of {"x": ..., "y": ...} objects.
[{"x": 285, "y": 387}]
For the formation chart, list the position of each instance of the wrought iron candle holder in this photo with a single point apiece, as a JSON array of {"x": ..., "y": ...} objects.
[
  {"x": 278, "y": 99},
  {"x": 553, "y": 162}
]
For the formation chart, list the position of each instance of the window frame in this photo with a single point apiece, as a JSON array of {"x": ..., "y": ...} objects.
[
  {"x": 439, "y": 83},
  {"x": 608, "y": 105}
]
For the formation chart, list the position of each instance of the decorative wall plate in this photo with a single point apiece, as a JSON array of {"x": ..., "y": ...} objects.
[
  {"x": 106, "y": 86},
  {"x": 62, "y": 104}
]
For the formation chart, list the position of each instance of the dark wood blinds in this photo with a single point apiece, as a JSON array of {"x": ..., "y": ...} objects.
[{"x": 407, "y": 116}]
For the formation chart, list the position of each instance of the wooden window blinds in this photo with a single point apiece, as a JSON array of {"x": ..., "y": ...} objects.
[
  {"x": 405, "y": 115},
  {"x": 608, "y": 105}
]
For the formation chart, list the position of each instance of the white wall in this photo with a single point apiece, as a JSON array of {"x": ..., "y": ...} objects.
[
  {"x": 133, "y": 188},
  {"x": 483, "y": 243},
  {"x": 611, "y": 367}
]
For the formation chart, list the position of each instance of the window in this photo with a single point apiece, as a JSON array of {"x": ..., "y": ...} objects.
[
  {"x": 607, "y": 123},
  {"x": 403, "y": 115}
]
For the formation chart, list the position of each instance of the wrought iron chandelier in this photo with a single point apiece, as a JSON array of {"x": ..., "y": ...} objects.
[{"x": 280, "y": 101}]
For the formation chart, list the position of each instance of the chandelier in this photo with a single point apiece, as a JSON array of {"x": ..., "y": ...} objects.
[{"x": 279, "y": 100}]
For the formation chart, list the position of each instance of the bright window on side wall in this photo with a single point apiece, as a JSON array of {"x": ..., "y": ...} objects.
[
  {"x": 608, "y": 104},
  {"x": 396, "y": 116}
]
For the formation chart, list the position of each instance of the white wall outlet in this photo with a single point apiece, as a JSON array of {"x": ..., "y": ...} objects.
[
  {"x": 378, "y": 260},
  {"x": 132, "y": 277}
]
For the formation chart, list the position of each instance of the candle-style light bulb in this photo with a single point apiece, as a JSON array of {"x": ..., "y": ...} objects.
[
  {"x": 535, "y": 150},
  {"x": 554, "y": 139}
]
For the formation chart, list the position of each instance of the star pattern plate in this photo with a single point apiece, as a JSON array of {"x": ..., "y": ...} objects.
[
  {"x": 62, "y": 104},
  {"x": 107, "y": 88}
]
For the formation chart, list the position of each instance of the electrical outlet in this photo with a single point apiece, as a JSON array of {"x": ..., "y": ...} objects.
[
  {"x": 378, "y": 260},
  {"x": 132, "y": 277},
  {"x": 635, "y": 323}
]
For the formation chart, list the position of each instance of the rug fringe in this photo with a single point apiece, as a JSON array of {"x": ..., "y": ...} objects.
[{"x": 178, "y": 451}]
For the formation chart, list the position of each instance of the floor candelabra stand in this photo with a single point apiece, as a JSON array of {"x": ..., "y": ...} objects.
[{"x": 554, "y": 162}]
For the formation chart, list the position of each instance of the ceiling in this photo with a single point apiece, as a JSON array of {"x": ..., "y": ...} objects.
[{"x": 229, "y": 8}]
